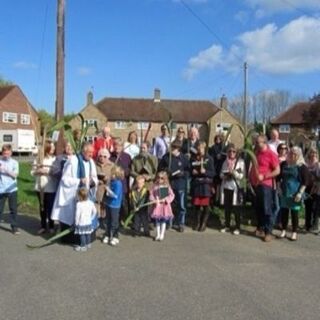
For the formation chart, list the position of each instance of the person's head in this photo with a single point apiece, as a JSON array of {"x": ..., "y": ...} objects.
[
  {"x": 201, "y": 148},
  {"x": 118, "y": 146},
  {"x": 175, "y": 148},
  {"x": 261, "y": 142},
  {"x": 133, "y": 137},
  {"x": 144, "y": 148},
  {"x": 83, "y": 194},
  {"x": 106, "y": 132},
  {"x": 274, "y": 135},
  {"x": 140, "y": 181},
  {"x": 231, "y": 151},
  {"x": 164, "y": 130},
  {"x": 6, "y": 151},
  {"x": 193, "y": 134},
  {"x": 49, "y": 148},
  {"x": 87, "y": 151},
  {"x": 180, "y": 133},
  {"x": 295, "y": 156},
  {"x": 117, "y": 173},
  {"x": 218, "y": 139},
  {"x": 313, "y": 155},
  {"x": 103, "y": 156},
  {"x": 162, "y": 178},
  {"x": 282, "y": 149},
  {"x": 68, "y": 148}
]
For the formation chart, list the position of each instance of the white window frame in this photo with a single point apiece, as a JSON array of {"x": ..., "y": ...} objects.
[
  {"x": 142, "y": 125},
  {"x": 7, "y": 115},
  {"x": 284, "y": 128},
  {"x": 120, "y": 125},
  {"x": 223, "y": 127},
  {"x": 25, "y": 119},
  {"x": 91, "y": 122}
]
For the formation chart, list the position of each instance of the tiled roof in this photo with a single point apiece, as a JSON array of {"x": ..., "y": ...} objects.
[{"x": 294, "y": 115}]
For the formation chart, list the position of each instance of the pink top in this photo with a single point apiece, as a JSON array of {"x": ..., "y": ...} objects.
[
  {"x": 267, "y": 162},
  {"x": 162, "y": 210}
]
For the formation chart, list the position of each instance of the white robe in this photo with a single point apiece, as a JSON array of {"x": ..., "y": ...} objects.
[{"x": 64, "y": 207}]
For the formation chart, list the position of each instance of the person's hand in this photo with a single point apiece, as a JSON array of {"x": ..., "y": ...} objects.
[
  {"x": 194, "y": 171},
  {"x": 157, "y": 201},
  {"x": 260, "y": 177},
  {"x": 3, "y": 170},
  {"x": 203, "y": 171},
  {"x": 105, "y": 179},
  {"x": 298, "y": 197},
  {"x": 84, "y": 181},
  {"x": 146, "y": 176}
]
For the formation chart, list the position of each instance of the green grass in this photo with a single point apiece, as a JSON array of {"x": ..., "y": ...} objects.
[{"x": 27, "y": 198}]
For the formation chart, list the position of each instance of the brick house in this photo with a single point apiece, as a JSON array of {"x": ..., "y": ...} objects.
[
  {"x": 124, "y": 115},
  {"x": 18, "y": 119}
]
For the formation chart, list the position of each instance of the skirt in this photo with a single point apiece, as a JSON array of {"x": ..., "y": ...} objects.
[
  {"x": 201, "y": 201},
  {"x": 83, "y": 229}
]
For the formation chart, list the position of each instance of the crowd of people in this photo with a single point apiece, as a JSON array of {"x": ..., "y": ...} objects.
[{"x": 110, "y": 179}]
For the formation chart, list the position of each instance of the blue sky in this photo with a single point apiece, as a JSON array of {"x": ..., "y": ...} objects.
[{"x": 129, "y": 47}]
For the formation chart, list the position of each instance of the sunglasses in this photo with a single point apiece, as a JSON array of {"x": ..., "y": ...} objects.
[
  {"x": 283, "y": 148},
  {"x": 232, "y": 151}
]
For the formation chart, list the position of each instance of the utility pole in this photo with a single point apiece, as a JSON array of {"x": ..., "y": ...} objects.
[
  {"x": 59, "y": 110},
  {"x": 245, "y": 69}
]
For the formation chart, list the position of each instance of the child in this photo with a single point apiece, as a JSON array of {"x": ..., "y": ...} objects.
[
  {"x": 114, "y": 194},
  {"x": 139, "y": 196},
  {"x": 162, "y": 194},
  {"x": 85, "y": 212}
]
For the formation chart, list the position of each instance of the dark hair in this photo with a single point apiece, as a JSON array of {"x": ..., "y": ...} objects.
[
  {"x": 47, "y": 147},
  {"x": 175, "y": 145},
  {"x": 280, "y": 146},
  {"x": 132, "y": 133},
  {"x": 7, "y": 147}
]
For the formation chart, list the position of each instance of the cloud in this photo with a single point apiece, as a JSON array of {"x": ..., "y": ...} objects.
[
  {"x": 24, "y": 65},
  {"x": 242, "y": 16},
  {"x": 292, "y": 49},
  {"x": 84, "y": 71}
]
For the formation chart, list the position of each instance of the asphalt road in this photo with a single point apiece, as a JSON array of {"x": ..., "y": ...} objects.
[{"x": 188, "y": 276}]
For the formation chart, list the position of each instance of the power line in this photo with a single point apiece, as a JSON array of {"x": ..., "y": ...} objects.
[{"x": 290, "y": 4}]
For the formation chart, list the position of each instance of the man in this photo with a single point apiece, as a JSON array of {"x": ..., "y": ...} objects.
[
  {"x": 9, "y": 170},
  {"x": 274, "y": 142},
  {"x": 178, "y": 170},
  {"x": 189, "y": 146},
  {"x": 123, "y": 160},
  {"x": 262, "y": 179},
  {"x": 161, "y": 144},
  {"x": 103, "y": 142},
  {"x": 144, "y": 164},
  {"x": 79, "y": 171}
]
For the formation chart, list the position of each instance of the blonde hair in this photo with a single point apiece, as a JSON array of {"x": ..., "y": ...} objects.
[
  {"x": 117, "y": 173},
  {"x": 297, "y": 150},
  {"x": 82, "y": 194},
  {"x": 312, "y": 150},
  {"x": 164, "y": 175}
]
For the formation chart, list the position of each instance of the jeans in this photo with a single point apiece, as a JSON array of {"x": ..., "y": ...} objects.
[
  {"x": 179, "y": 204},
  {"x": 264, "y": 208},
  {"x": 13, "y": 204},
  {"x": 45, "y": 214},
  {"x": 113, "y": 215},
  {"x": 85, "y": 239}
]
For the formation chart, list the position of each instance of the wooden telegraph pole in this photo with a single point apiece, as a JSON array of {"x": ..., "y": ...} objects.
[{"x": 59, "y": 110}]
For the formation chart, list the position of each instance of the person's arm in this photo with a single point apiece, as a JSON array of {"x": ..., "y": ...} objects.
[
  {"x": 13, "y": 173},
  {"x": 77, "y": 215},
  {"x": 304, "y": 181},
  {"x": 170, "y": 196}
]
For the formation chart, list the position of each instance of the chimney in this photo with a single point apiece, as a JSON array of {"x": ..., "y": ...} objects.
[
  {"x": 156, "y": 97},
  {"x": 89, "y": 98},
  {"x": 223, "y": 102}
]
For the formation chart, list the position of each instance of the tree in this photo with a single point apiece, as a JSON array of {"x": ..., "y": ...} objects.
[
  {"x": 4, "y": 82},
  {"x": 46, "y": 119},
  {"x": 312, "y": 115}
]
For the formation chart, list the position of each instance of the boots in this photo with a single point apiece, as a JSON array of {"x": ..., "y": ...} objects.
[
  {"x": 204, "y": 219},
  {"x": 157, "y": 238},
  {"x": 198, "y": 220},
  {"x": 162, "y": 230}
]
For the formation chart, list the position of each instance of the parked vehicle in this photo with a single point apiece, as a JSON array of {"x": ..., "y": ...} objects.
[{"x": 22, "y": 141}]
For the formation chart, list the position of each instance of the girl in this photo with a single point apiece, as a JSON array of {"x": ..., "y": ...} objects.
[
  {"x": 202, "y": 173},
  {"x": 232, "y": 172},
  {"x": 85, "y": 213},
  {"x": 114, "y": 194},
  {"x": 162, "y": 195},
  {"x": 294, "y": 177},
  {"x": 46, "y": 186},
  {"x": 131, "y": 145}
]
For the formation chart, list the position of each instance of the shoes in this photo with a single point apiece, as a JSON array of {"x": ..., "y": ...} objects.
[
  {"x": 89, "y": 246},
  {"x": 283, "y": 234},
  {"x": 157, "y": 238},
  {"x": 80, "y": 249},
  {"x": 41, "y": 231},
  {"x": 267, "y": 238},
  {"x": 15, "y": 231},
  {"x": 259, "y": 233},
  {"x": 181, "y": 229},
  {"x": 114, "y": 242},
  {"x": 294, "y": 236},
  {"x": 105, "y": 240},
  {"x": 236, "y": 232},
  {"x": 224, "y": 230}
]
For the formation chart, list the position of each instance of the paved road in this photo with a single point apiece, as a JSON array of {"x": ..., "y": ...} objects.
[{"x": 188, "y": 276}]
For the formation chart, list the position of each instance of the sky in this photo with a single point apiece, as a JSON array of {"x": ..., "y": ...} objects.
[{"x": 189, "y": 49}]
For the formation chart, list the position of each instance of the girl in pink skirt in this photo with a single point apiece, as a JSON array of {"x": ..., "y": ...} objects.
[{"x": 162, "y": 196}]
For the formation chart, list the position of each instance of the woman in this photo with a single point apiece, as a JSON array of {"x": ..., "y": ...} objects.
[
  {"x": 104, "y": 166},
  {"x": 311, "y": 214},
  {"x": 180, "y": 139},
  {"x": 282, "y": 151},
  {"x": 294, "y": 177},
  {"x": 232, "y": 172},
  {"x": 131, "y": 146},
  {"x": 45, "y": 186},
  {"x": 202, "y": 173}
]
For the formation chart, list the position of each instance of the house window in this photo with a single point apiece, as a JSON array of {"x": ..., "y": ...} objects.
[
  {"x": 222, "y": 127},
  {"x": 284, "y": 128},
  {"x": 91, "y": 122},
  {"x": 25, "y": 119},
  {"x": 120, "y": 125},
  {"x": 9, "y": 117},
  {"x": 7, "y": 138},
  {"x": 143, "y": 125}
]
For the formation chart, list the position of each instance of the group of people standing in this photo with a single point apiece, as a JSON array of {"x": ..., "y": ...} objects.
[{"x": 110, "y": 178}]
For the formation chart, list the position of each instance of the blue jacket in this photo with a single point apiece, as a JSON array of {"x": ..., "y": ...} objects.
[{"x": 115, "y": 200}]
